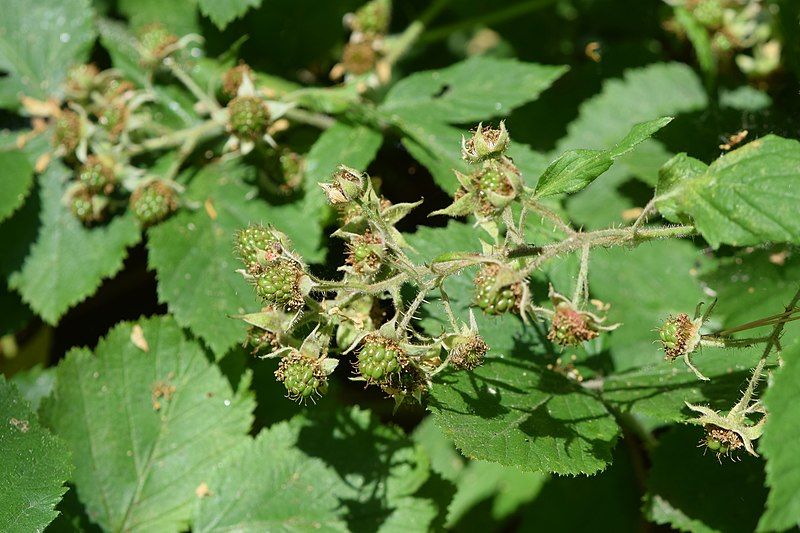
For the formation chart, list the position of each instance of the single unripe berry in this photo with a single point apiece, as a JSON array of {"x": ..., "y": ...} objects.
[
  {"x": 570, "y": 327},
  {"x": 97, "y": 176},
  {"x": 467, "y": 351},
  {"x": 81, "y": 79},
  {"x": 155, "y": 42},
  {"x": 261, "y": 341},
  {"x": 373, "y": 17},
  {"x": 721, "y": 441},
  {"x": 249, "y": 117},
  {"x": 380, "y": 358},
  {"x": 709, "y": 13},
  {"x": 279, "y": 284},
  {"x": 113, "y": 118},
  {"x": 153, "y": 202},
  {"x": 83, "y": 207},
  {"x": 495, "y": 300},
  {"x": 302, "y": 376},
  {"x": 679, "y": 335},
  {"x": 251, "y": 243},
  {"x": 359, "y": 57},
  {"x": 68, "y": 131},
  {"x": 362, "y": 255}
]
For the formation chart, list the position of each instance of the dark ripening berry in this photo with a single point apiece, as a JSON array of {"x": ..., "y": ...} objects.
[
  {"x": 252, "y": 240},
  {"x": 153, "y": 202},
  {"x": 97, "y": 176},
  {"x": 302, "y": 376},
  {"x": 279, "y": 284},
  {"x": 379, "y": 358},
  {"x": 467, "y": 352},
  {"x": 570, "y": 327},
  {"x": 495, "y": 300},
  {"x": 358, "y": 58},
  {"x": 249, "y": 117},
  {"x": 67, "y": 131}
]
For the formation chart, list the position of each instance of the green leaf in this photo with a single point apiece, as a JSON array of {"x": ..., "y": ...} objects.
[
  {"x": 17, "y": 181},
  {"x": 380, "y": 469},
  {"x": 472, "y": 90},
  {"x": 223, "y": 12},
  {"x": 781, "y": 400},
  {"x": 576, "y": 169},
  {"x": 745, "y": 197},
  {"x": 39, "y": 41},
  {"x": 269, "y": 485},
  {"x": 203, "y": 293},
  {"x": 54, "y": 277},
  {"x": 179, "y": 16},
  {"x": 146, "y": 428},
  {"x": 690, "y": 491},
  {"x": 34, "y": 466},
  {"x": 511, "y": 410}
]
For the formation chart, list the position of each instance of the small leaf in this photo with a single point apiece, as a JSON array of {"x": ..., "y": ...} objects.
[
  {"x": 17, "y": 181},
  {"x": 39, "y": 42},
  {"x": 145, "y": 428},
  {"x": 576, "y": 169},
  {"x": 745, "y": 197},
  {"x": 34, "y": 465},
  {"x": 54, "y": 277},
  {"x": 269, "y": 485},
  {"x": 223, "y": 12}
]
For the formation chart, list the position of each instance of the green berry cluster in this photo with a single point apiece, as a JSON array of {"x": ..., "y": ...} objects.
[
  {"x": 83, "y": 207},
  {"x": 362, "y": 255},
  {"x": 495, "y": 300},
  {"x": 278, "y": 284},
  {"x": 261, "y": 341},
  {"x": 676, "y": 335},
  {"x": 155, "y": 42},
  {"x": 379, "y": 358},
  {"x": 251, "y": 242},
  {"x": 302, "y": 376},
  {"x": 721, "y": 441},
  {"x": 67, "y": 131},
  {"x": 249, "y": 117},
  {"x": 570, "y": 327},
  {"x": 153, "y": 202},
  {"x": 97, "y": 176},
  {"x": 468, "y": 352}
]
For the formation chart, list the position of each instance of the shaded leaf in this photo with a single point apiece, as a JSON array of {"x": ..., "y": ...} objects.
[
  {"x": 223, "y": 12},
  {"x": 145, "y": 428}
]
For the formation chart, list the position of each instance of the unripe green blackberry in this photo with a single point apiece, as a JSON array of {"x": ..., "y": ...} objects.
[
  {"x": 380, "y": 358},
  {"x": 373, "y": 17},
  {"x": 249, "y": 117},
  {"x": 81, "y": 80},
  {"x": 279, "y": 284},
  {"x": 495, "y": 300},
  {"x": 679, "y": 336},
  {"x": 250, "y": 242},
  {"x": 709, "y": 13},
  {"x": 83, "y": 207},
  {"x": 113, "y": 118},
  {"x": 721, "y": 441},
  {"x": 302, "y": 376},
  {"x": 467, "y": 351},
  {"x": 261, "y": 341},
  {"x": 570, "y": 327},
  {"x": 97, "y": 176},
  {"x": 153, "y": 202},
  {"x": 67, "y": 132},
  {"x": 155, "y": 42},
  {"x": 362, "y": 255},
  {"x": 409, "y": 381}
]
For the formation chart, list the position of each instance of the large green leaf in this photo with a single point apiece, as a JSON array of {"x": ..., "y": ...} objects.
[
  {"x": 223, "y": 12},
  {"x": 781, "y": 400},
  {"x": 34, "y": 466},
  {"x": 146, "y": 427},
  {"x": 269, "y": 485},
  {"x": 192, "y": 253},
  {"x": 39, "y": 41},
  {"x": 380, "y": 469},
  {"x": 720, "y": 497},
  {"x": 512, "y": 410},
  {"x": 576, "y": 169},
  {"x": 476, "y": 89},
  {"x": 17, "y": 181},
  {"x": 746, "y": 197},
  {"x": 68, "y": 261}
]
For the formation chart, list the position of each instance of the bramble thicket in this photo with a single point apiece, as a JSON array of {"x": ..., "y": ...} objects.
[{"x": 410, "y": 266}]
